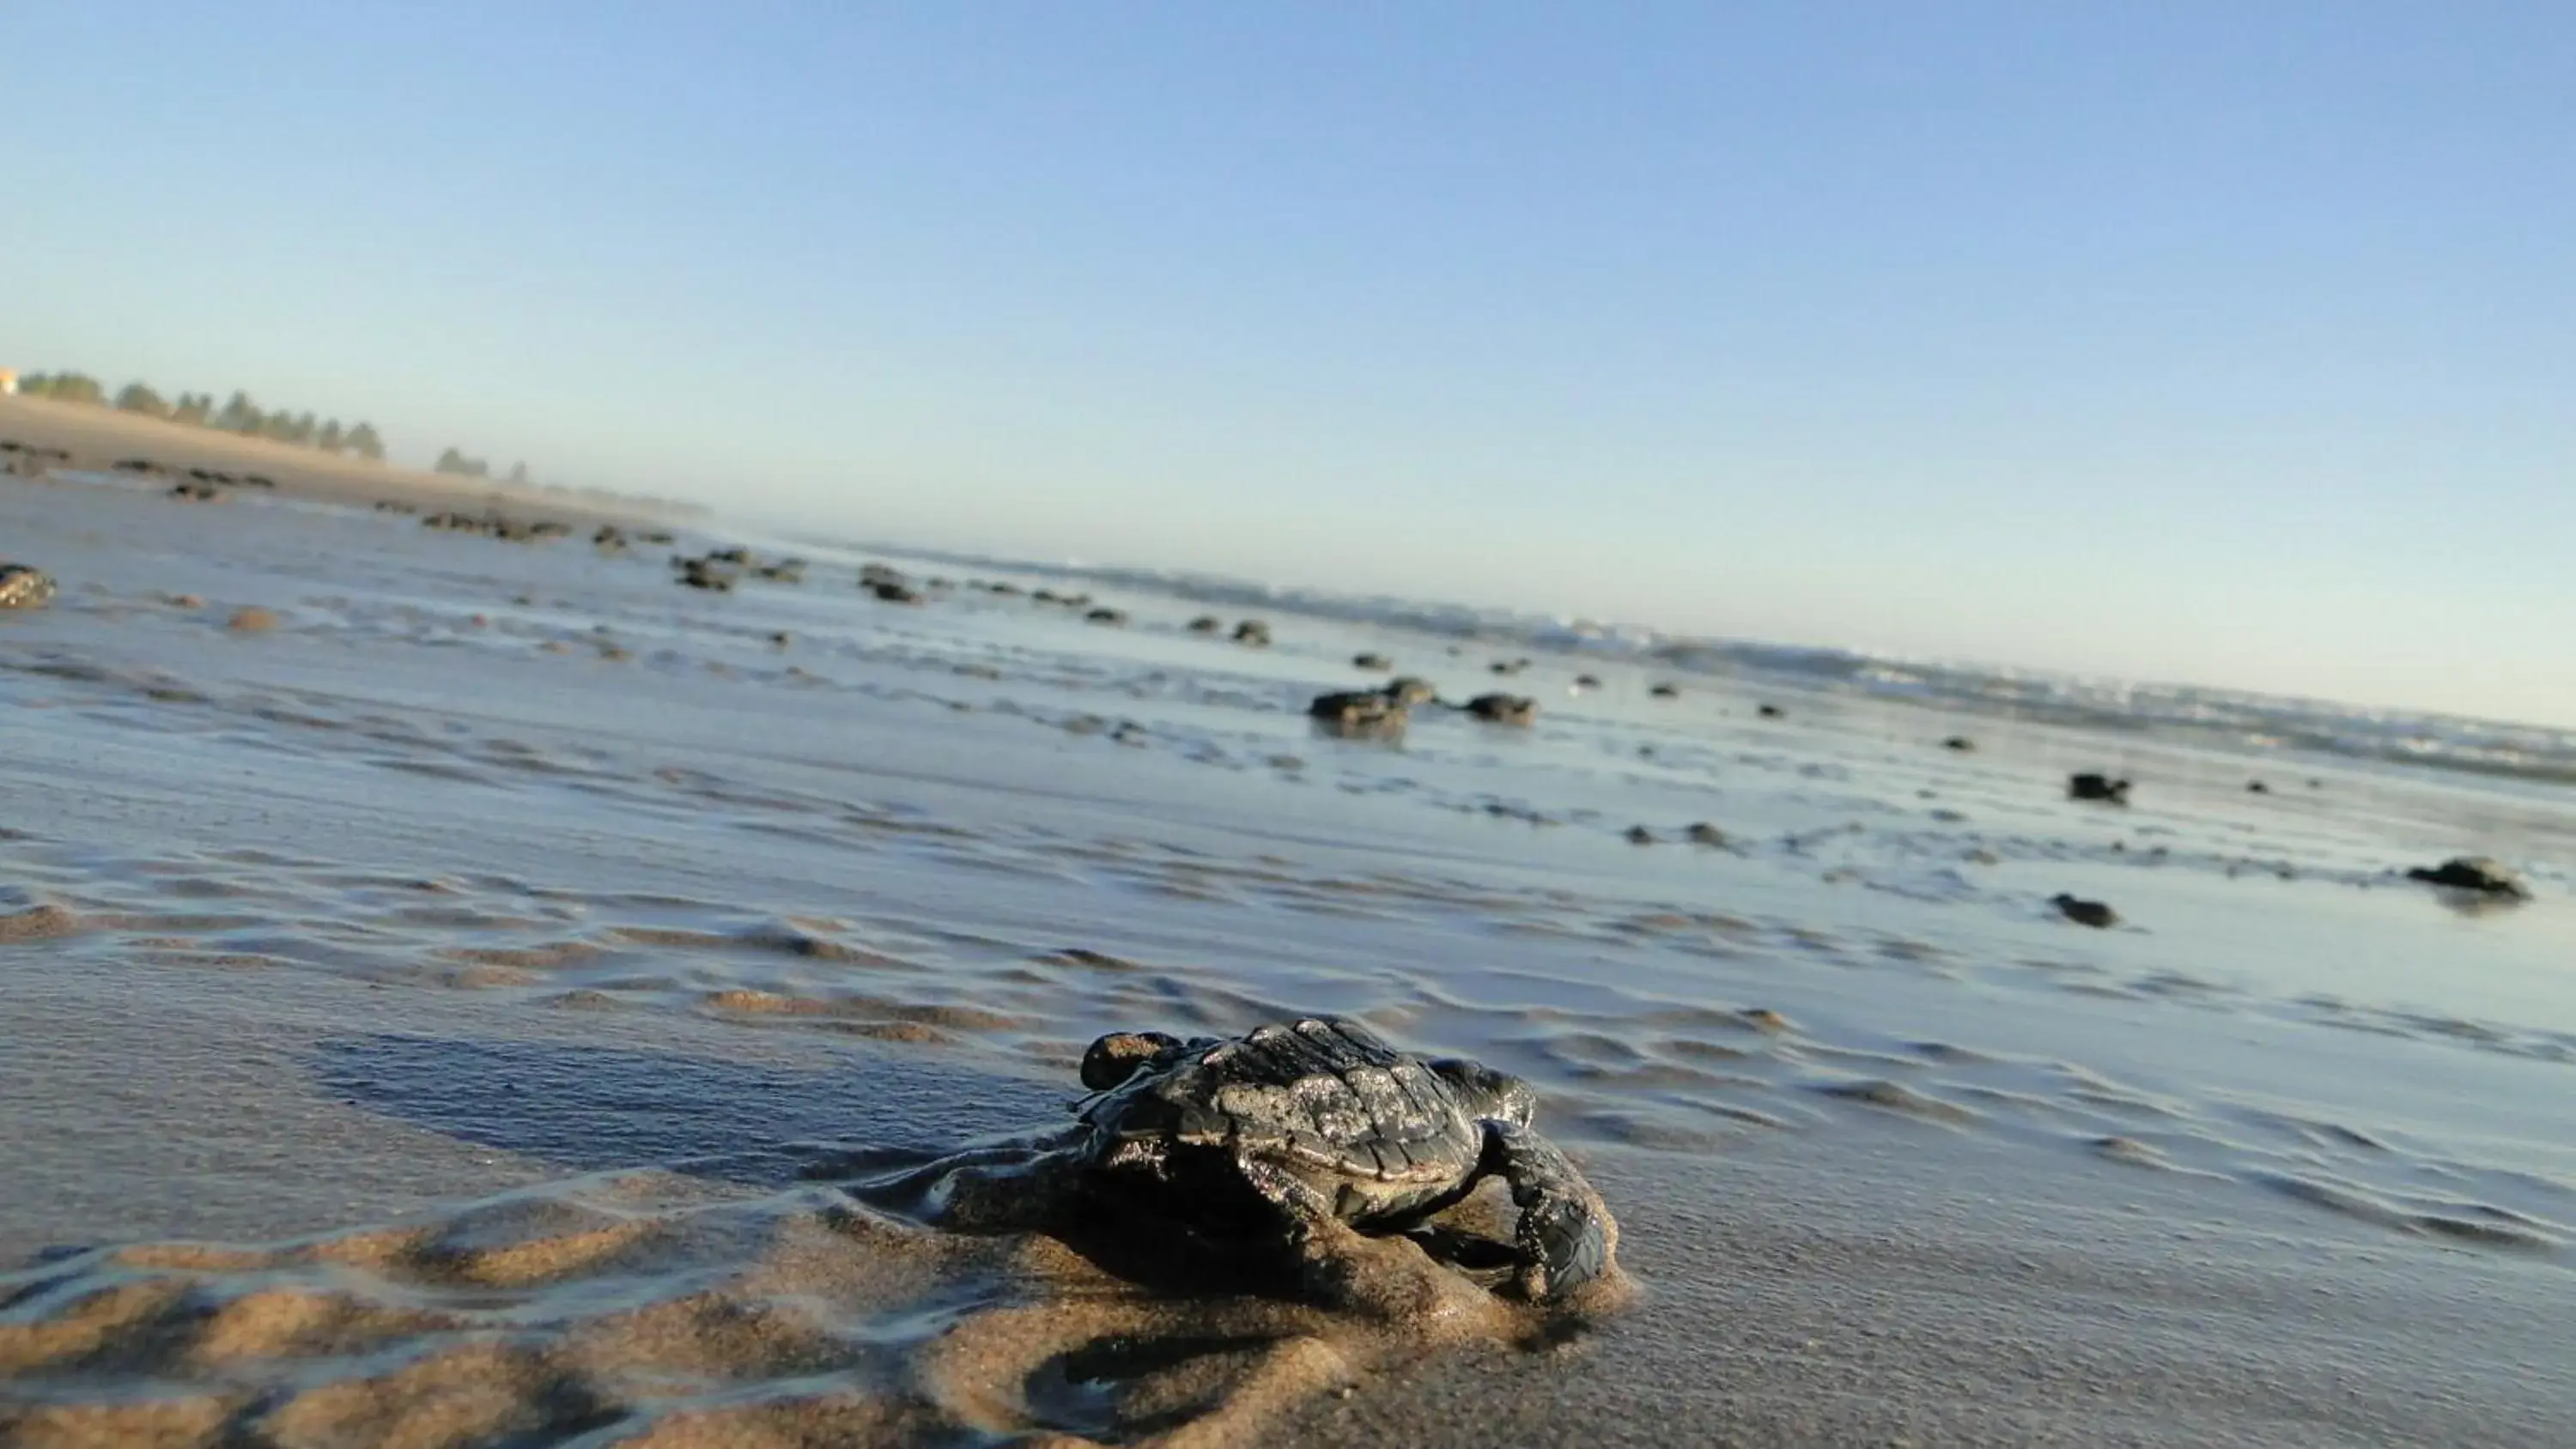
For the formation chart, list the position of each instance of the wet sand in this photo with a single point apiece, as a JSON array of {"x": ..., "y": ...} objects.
[{"x": 438, "y": 1018}]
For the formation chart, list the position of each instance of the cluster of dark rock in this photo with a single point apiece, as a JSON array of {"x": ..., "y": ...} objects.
[
  {"x": 24, "y": 587},
  {"x": 1509, "y": 667},
  {"x": 26, "y": 460},
  {"x": 2475, "y": 880},
  {"x": 494, "y": 524},
  {"x": 218, "y": 476},
  {"x": 193, "y": 485},
  {"x": 1697, "y": 833},
  {"x": 1384, "y": 712},
  {"x": 1253, "y": 633},
  {"x": 719, "y": 569}
]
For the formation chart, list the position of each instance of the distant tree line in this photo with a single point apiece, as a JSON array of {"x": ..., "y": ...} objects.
[
  {"x": 237, "y": 414},
  {"x": 454, "y": 461}
]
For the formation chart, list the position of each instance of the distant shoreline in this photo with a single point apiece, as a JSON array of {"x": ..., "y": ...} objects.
[{"x": 97, "y": 438}]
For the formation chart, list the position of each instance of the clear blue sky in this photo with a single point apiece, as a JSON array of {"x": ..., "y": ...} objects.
[{"x": 2222, "y": 342}]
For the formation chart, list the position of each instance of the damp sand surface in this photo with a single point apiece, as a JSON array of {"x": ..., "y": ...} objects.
[{"x": 439, "y": 1017}]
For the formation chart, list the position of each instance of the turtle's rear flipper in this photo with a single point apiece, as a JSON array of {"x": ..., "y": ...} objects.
[{"x": 1565, "y": 1233}]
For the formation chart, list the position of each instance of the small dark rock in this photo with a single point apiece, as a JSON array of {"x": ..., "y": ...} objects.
[
  {"x": 22, "y": 587},
  {"x": 2257, "y": 787},
  {"x": 1505, "y": 709},
  {"x": 1112, "y": 617},
  {"x": 2085, "y": 913},
  {"x": 1253, "y": 632},
  {"x": 1961, "y": 743},
  {"x": 1409, "y": 690},
  {"x": 1376, "y": 663},
  {"x": 1359, "y": 712},
  {"x": 2474, "y": 873},
  {"x": 1206, "y": 624},
  {"x": 1770, "y": 711},
  {"x": 892, "y": 593},
  {"x": 1704, "y": 833},
  {"x": 697, "y": 573},
  {"x": 1666, "y": 691},
  {"x": 1640, "y": 835},
  {"x": 2093, "y": 786},
  {"x": 1587, "y": 681}
]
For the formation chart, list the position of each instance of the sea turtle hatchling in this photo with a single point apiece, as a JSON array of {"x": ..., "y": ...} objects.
[
  {"x": 1281, "y": 1133},
  {"x": 22, "y": 587}
]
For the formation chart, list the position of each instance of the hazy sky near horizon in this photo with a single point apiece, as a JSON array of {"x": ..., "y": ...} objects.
[{"x": 2216, "y": 342}]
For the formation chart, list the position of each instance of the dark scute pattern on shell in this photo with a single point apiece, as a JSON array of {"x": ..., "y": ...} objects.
[{"x": 1326, "y": 1092}]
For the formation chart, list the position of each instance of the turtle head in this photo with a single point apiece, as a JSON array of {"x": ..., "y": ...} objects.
[
  {"x": 1120, "y": 1055},
  {"x": 1490, "y": 1095}
]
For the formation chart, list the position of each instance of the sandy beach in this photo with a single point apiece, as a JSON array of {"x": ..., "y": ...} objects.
[
  {"x": 442, "y": 1011},
  {"x": 86, "y": 438}
]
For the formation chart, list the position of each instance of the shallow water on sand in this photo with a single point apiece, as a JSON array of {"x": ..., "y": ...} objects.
[{"x": 435, "y": 999}]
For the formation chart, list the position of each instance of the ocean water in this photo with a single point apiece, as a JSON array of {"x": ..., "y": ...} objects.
[
  {"x": 456, "y": 978},
  {"x": 2256, "y": 724}
]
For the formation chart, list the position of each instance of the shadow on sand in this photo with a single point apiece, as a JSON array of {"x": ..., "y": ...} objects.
[{"x": 601, "y": 1108}]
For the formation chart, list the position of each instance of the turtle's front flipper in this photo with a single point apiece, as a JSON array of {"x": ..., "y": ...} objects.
[
  {"x": 986, "y": 1190},
  {"x": 1566, "y": 1234}
]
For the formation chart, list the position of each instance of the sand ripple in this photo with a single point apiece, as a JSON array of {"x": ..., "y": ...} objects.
[{"x": 601, "y": 1307}]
